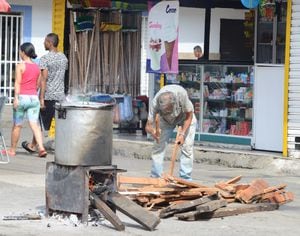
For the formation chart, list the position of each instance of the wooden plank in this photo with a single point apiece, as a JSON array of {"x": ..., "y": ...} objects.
[
  {"x": 154, "y": 202},
  {"x": 279, "y": 196},
  {"x": 157, "y": 200},
  {"x": 234, "y": 180},
  {"x": 230, "y": 200},
  {"x": 240, "y": 187},
  {"x": 23, "y": 217},
  {"x": 211, "y": 206},
  {"x": 191, "y": 194},
  {"x": 207, "y": 207},
  {"x": 138, "y": 193},
  {"x": 141, "y": 180},
  {"x": 236, "y": 209},
  {"x": 134, "y": 211},
  {"x": 142, "y": 199},
  {"x": 158, "y": 189},
  {"x": 150, "y": 189},
  {"x": 206, "y": 189},
  {"x": 166, "y": 196},
  {"x": 107, "y": 212},
  {"x": 174, "y": 153},
  {"x": 178, "y": 202},
  {"x": 226, "y": 187},
  {"x": 226, "y": 194},
  {"x": 274, "y": 188},
  {"x": 185, "y": 206},
  {"x": 185, "y": 182},
  {"x": 255, "y": 189}
]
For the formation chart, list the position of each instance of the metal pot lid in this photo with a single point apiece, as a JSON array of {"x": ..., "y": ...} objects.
[{"x": 83, "y": 104}]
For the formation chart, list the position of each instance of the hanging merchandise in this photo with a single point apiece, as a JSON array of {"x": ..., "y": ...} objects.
[
  {"x": 128, "y": 112},
  {"x": 107, "y": 26},
  {"x": 125, "y": 108},
  {"x": 143, "y": 112},
  {"x": 116, "y": 116},
  {"x": 250, "y": 3},
  {"x": 122, "y": 112},
  {"x": 105, "y": 62},
  {"x": 84, "y": 23},
  {"x": 136, "y": 117},
  {"x": 99, "y": 3}
]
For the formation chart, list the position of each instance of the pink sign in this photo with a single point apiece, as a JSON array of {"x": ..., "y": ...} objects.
[{"x": 162, "y": 45}]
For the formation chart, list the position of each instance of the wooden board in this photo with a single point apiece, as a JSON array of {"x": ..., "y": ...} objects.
[
  {"x": 141, "y": 180},
  {"x": 185, "y": 182},
  {"x": 185, "y": 206},
  {"x": 107, "y": 212},
  {"x": 234, "y": 180},
  {"x": 236, "y": 209},
  {"x": 206, "y": 207},
  {"x": 134, "y": 211}
]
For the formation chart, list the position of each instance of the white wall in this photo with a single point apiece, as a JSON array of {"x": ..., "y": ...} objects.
[
  {"x": 192, "y": 27},
  {"x": 41, "y": 21},
  {"x": 216, "y": 15},
  {"x": 191, "y": 30}
]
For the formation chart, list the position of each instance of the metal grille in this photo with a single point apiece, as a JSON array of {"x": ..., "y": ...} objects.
[
  {"x": 10, "y": 39},
  {"x": 294, "y": 84}
]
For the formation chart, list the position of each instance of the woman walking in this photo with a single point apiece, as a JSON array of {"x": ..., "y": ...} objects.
[{"x": 26, "y": 101}]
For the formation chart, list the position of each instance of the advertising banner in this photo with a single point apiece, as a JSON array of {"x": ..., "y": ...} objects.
[{"x": 162, "y": 44}]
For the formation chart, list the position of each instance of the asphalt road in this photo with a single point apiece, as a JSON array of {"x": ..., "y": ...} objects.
[{"x": 22, "y": 190}]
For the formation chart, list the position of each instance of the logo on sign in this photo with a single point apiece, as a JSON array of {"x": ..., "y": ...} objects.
[{"x": 169, "y": 9}]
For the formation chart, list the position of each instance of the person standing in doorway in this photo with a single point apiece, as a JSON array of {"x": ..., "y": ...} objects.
[
  {"x": 26, "y": 100},
  {"x": 53, "y": 67},
  {"x": 172, "y": 107},
  {"x": 198, "y": 52}
]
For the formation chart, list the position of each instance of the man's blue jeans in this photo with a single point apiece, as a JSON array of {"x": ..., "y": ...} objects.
[{"x": 186, "y": 155}]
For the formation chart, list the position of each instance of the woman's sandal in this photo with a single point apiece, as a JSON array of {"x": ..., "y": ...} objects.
[
  {"x": 42, "y": 153},
  {"x": 25, "y": 145},
  {"x": 8, "y": 152}
]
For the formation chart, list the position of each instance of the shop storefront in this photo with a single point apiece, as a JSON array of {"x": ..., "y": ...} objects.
[
  {"x": 237, "y": 87},
  {"x": 222, "y": 94}
]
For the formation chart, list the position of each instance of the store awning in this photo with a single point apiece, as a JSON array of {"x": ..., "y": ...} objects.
[{"x": 4, "y": 6}]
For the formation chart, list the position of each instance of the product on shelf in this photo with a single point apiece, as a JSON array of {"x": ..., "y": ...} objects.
[
  {"x": 227, "y": 106},
  {"x": 227, "y": 93}
]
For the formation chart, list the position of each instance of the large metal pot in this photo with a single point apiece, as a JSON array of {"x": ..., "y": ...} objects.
[{"x": 83, "y": 134}]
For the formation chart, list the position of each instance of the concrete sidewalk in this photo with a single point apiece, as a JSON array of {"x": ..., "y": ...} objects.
[
  {"x": 220, "y": 154},
  {"x": 234, "y": 158}
]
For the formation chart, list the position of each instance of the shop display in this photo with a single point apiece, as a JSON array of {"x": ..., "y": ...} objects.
[
  {"x": 271, "y": 27},
  {"x": 222, "y": 96},
  {"x": 227, "y": 100}
]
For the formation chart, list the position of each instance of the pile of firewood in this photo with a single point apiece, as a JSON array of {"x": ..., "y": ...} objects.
[{"x": 188, "y": 200}]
